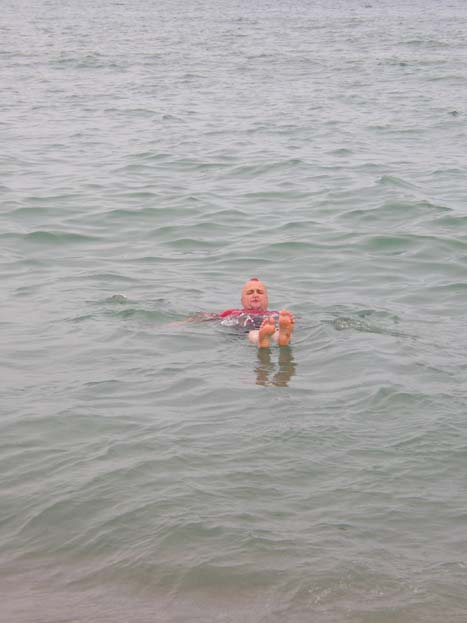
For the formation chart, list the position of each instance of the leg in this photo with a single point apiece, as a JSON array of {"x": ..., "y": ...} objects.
[
  {"x": 286, "y": 367},
  {"x": 262, "y": 336},
  {"x": 286, "y": 327},
  {"x": 264, "y": 366}
]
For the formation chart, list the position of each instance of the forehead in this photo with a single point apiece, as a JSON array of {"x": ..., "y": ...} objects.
[{"x": 254, "y": 285}]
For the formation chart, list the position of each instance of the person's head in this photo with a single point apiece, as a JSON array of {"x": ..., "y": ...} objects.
[{"x": 255, "y": 295}]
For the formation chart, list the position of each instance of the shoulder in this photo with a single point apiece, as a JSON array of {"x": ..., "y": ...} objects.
[{"x": 230, "y": 312}]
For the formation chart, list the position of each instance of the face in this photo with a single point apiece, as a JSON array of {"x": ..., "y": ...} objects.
[{"x": 255, "y": 296}]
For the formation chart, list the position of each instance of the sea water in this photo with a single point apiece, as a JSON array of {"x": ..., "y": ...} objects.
[{"x": 155, "y": 154}]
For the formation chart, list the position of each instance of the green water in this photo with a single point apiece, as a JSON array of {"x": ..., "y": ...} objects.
[{"x": 155, "y": 156}]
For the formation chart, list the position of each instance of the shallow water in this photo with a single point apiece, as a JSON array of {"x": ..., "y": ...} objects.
[{"x": 154, "y": 157}]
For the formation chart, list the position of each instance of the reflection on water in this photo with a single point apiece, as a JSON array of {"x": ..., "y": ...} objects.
[{"x": 269, "y": 372}]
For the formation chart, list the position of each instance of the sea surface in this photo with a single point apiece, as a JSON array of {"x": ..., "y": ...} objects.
[{"x": 155, "y": 154}]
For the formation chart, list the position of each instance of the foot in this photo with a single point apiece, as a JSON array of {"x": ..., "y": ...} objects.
[
  {"x": 265, "y": 332},
  {"x": 286, "y": 326}
]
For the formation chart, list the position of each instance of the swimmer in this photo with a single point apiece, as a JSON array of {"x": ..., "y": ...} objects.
[
  {"x": 255, "y": 317},
  {"x": 255, "y": 302}
]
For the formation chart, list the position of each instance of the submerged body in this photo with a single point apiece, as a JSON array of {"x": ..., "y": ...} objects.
[{"x": 245, "y": 318}]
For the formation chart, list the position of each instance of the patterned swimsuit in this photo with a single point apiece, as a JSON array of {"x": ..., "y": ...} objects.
[{"x": 245, "y": 319}]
